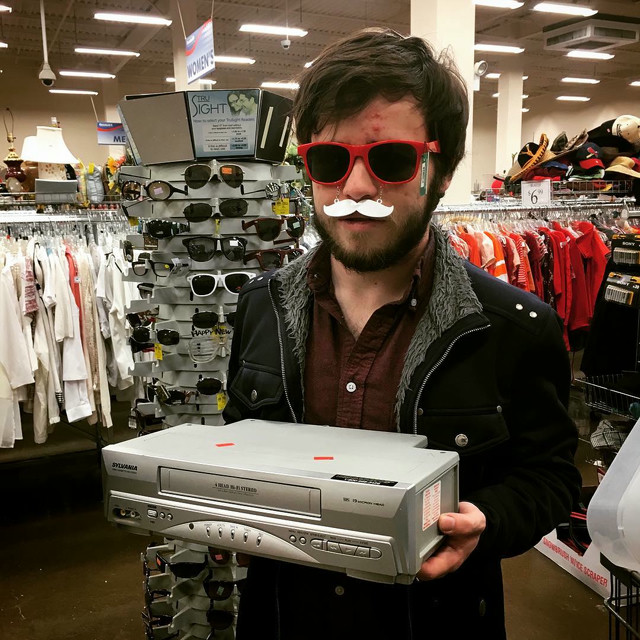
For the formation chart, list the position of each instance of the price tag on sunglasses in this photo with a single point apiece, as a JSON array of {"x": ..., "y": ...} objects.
[
  {"x": 424, "y": 173},
  {"x": 221, "y": 398},
  {"x": 149, "y": 242},
  {"x": 157, "y": 351},
  {"x": 281, "y": 207}
]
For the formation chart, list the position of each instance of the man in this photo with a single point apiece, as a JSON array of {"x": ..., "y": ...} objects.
[{"x": 384, "y": 327}]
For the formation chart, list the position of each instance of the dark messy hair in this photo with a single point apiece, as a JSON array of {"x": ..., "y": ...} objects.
[{"x": 374, "y": 62}]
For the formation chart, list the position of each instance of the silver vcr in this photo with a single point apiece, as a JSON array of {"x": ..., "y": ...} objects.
[{"x": 361, "y": 502}]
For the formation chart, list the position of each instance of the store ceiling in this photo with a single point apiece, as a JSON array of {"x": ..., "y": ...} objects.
[{"x": 70, "y": 23}]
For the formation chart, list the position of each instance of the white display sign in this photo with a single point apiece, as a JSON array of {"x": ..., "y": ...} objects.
[
  {"x": 536, "y": 193},
  {"x": 199, "y": 52}
]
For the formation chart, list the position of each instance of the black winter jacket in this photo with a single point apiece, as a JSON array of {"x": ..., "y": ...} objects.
[{"x": 487, "y": 362}]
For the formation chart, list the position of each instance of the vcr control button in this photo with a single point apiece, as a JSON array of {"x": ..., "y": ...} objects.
[
  {"x": 333, "y": 546},
  {"x": 375, "y": 553},
  {"x": 362, "y": 552},
  {"x": 349, "y": 549},
  {"x": 152, "y": 513},
  {"x": 316, "y": 543}
]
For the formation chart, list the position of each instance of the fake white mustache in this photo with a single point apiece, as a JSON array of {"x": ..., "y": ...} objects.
[{"x": 369, "y": 208}]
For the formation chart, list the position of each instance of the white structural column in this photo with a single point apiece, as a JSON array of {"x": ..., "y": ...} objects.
[
  {"x": 188, "y": 11},
  {"x": 509, "y": 127},
  {"x": 451, "y": 24}
]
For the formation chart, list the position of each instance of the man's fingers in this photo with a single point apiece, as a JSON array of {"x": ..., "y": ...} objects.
[{"x": 445, "y": 560}]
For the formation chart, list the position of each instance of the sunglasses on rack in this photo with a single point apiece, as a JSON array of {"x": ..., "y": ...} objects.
[
  {"x": 198, "y": 175},
  {"x": 211, "y": 319},
  {"x": 160, "y": 268},
  {"x": 165, "y": 337},
  {"x": 271, "y": 191},
  {"x": 219, "y": 619},
  {"x": 154, "y": 630},
  {"x": 204, "y": 284},
  {"x": 156, "y": 190},
  {"x": 201, "y": 211},
  {"x": 127, "y": 250},
  {"x": 145, "y": 289},
  {"x": 180, "y": 569},
  {"x": 203, "y": 248},
  {"x": 388, "y": 161},
  {"x": 165, "y": 228},
  {"x": 209, "y": 386},
  {"x": 218, "y": 590},
  {"x": 207, "y": 348},
  {"x": 269, "y": 229},
  {"x": 174, "y": 396},
  {"x": 222, "y": 557},
  {"x": 269, "y": 259},
  {"x": 143, "y": 317},
  {"x": 157, "y": 603}
]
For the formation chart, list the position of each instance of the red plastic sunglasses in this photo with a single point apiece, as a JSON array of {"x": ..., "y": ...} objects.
[{"x": 388, "y": 161}]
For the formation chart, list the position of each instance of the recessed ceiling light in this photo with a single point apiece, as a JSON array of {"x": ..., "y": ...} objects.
[
  {"x": 280, "y": 85},
  {"x": 495, "y": 76},
  {"x": 207, "y": 83},
  {"x": 106, "y": 52},
  {"x": 589, "y": 55},
  {"x": 524, "y": 95},
  {"x": 525, "y": 77},
  {"x": 169, "y": 79},
  {"x": 234, "y": 59},
  {"x": 308, "y": 64},
  {"x": 498, "y": 48},
  {"x": 573, "y": 98},
  {"x": 4, "y": 45},
  {"x": 499, "y": 4},
  {"x": 635, "y": 83},
  {"x": 581, "y": 80},
  {"x": 525, "y": 110},
  {"x": 3, "y": 8},
  {"x": 566, "y": 9},
  {"x": 86, "y": 74},
  {"x": 273, "y": 30},
  {"x": 132, "y": 18},
  {"x": 77, "y": 92}
]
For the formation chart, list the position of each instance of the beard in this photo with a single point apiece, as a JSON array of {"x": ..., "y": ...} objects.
[{"x": 405, "y": 239}]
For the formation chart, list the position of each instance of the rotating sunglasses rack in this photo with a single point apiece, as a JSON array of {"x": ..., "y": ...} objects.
[{"x": 184, "y": 374}]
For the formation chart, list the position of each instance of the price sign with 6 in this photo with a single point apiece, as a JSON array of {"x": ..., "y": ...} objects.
[{"x": 536, "y": 193}]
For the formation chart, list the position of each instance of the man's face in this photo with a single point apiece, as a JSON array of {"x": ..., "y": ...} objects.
[{"x": 362, "y": 243}]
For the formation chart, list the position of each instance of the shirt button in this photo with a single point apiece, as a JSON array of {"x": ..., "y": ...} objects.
[
  {"x": 462, "y": 440},
  {"x": 420, "y": 411},
  {"x": 351, "y": 387},
  {"x": 339, "y": 590},
  {"x": 254, "y": 395}
]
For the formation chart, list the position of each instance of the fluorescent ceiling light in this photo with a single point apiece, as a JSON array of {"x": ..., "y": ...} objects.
[
  {"x": 589, "y": 55},
  {"x": 234, "y": 59},
  {"x": 308, "y": 64},
  {"x": 280, "y": 85},
  {"x": 106, "y": 52},
  {"x": 524, "y": 95},
  {"x": 498, "y": 48},
  {"x": 635, "y": 83},
  {"x": 3, "y": 8},
  {"x": 78, "y": 92},
  {"x": 525, "y": 110},
  {"x": 86, "y": 74},
  {"x": 581, "y": 80},
  {"x": 566, "y": 9},
  {"x": 169, "y": 79},
  {"x": 207, "y": 82},
  {"x": 4, "y": 45},
  {"x": 495, "y": 76},
  {"x": 132, "y": 18},
  {"x": 573, "y": 98},
  {"x": 273, "y": 30},
  {"x": 499, "y": 4}
]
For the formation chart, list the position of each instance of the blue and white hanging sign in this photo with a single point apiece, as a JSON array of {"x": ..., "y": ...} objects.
[
  {"x": 111, "y": 133},
  {"x": 199, "y": 52}
]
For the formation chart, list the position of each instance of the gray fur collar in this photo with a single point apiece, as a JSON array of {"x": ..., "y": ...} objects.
[{"x": 452, "y": 298}]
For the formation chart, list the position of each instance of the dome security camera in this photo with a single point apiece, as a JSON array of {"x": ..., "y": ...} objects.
[
  {"x": 480, "y": 68},
  {"x": 286, "y": 43},
  {"x": 46, "y": 75}
]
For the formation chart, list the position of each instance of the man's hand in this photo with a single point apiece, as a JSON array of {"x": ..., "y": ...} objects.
[{"x": 462, "y": 531}]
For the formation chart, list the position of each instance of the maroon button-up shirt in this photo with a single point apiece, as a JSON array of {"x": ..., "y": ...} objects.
[{"x": 352, "y": 383}]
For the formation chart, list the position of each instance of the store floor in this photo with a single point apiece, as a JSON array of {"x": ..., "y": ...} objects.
[{"x": 68, "y": 575}]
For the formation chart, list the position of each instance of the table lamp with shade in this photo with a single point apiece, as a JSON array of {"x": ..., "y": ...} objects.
[
  {"x": 49, "y": 150},
  {"x": 14, "y": 176}
]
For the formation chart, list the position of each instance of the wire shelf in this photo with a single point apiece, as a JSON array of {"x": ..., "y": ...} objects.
[
  {"x": 624, "y": 602},
  {"x": 599, "y": 394}
]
